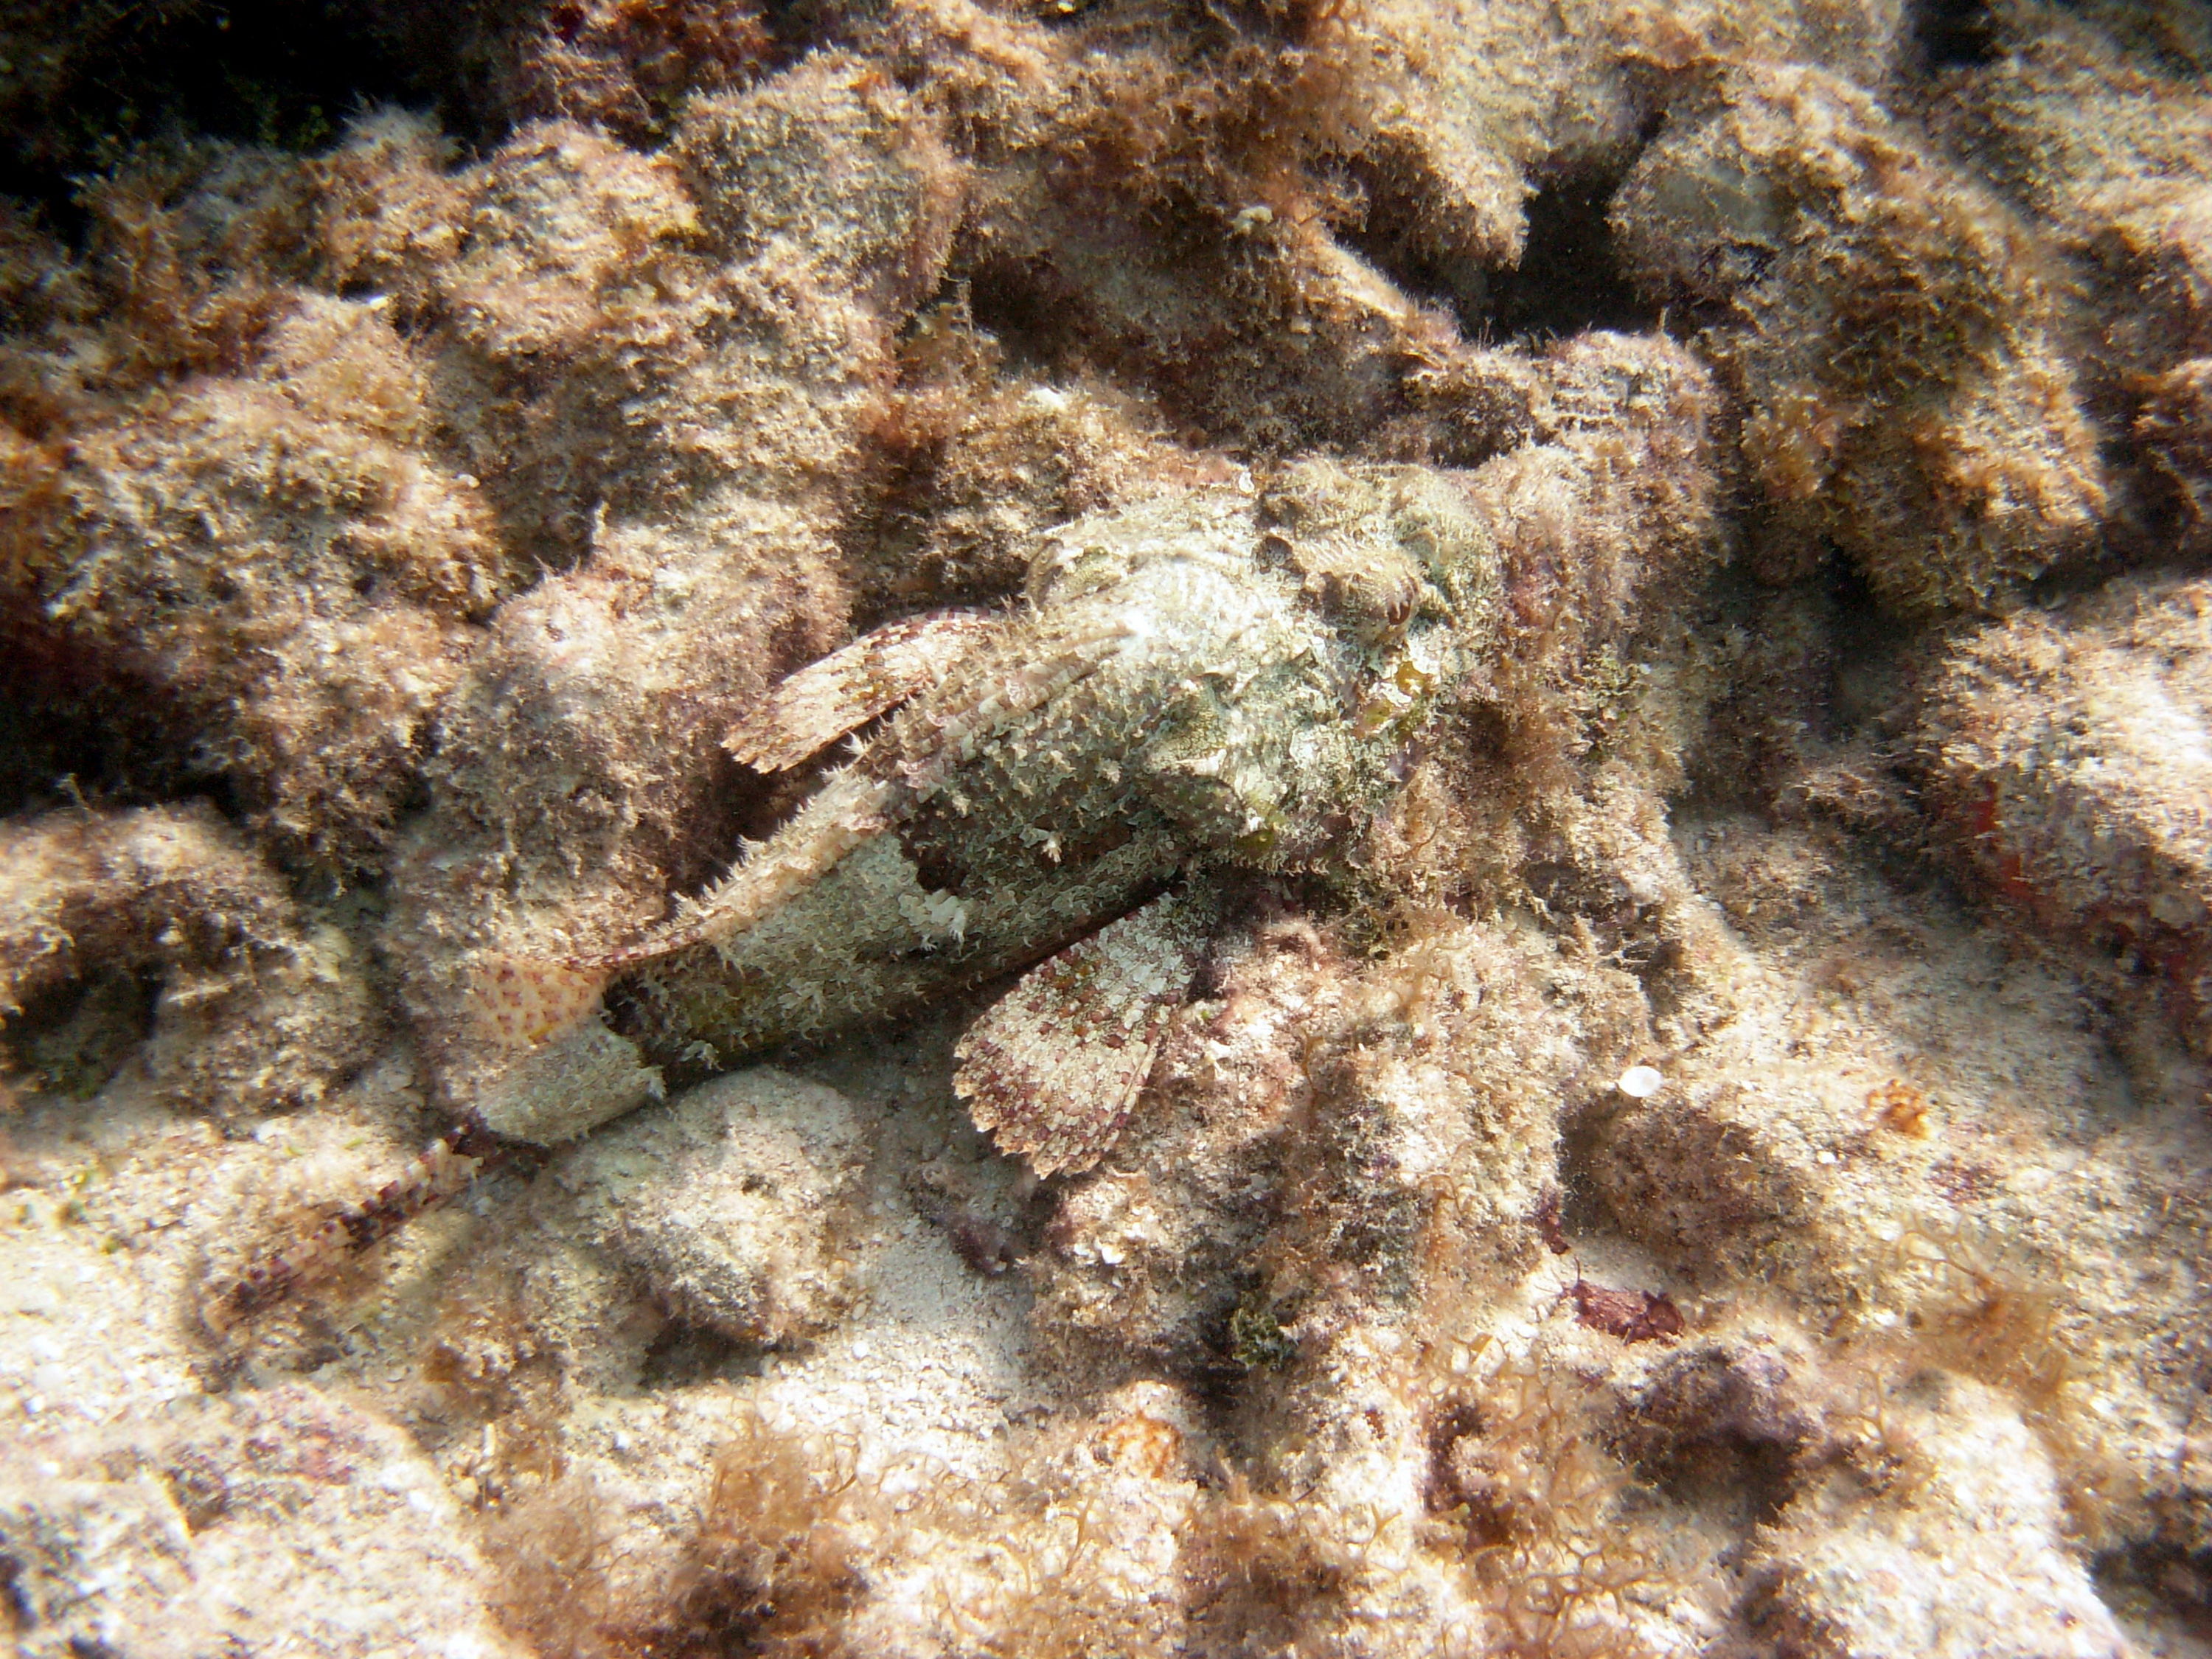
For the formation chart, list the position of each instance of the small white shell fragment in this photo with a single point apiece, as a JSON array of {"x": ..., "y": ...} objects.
[{"x": 1641, "y": 1082}]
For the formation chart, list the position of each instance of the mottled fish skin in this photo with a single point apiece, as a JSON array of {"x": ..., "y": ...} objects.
[
  {"x": 1192, "y": 680},
  {"x": 1208, "y": 680}
]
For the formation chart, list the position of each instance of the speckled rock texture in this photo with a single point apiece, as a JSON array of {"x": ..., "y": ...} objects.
[
  {"x": 1881, "y": 313},
  {"x": 2071, "y": 753},
  {"x": 218, "y": 1535},
  {"x": 1658, "y": 1104},
  {"x": 174, "y": 962},
  {"x": 727, "y": 1204}
]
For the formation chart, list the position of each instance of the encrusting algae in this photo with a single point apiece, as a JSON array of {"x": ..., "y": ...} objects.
[{"x": 1297, "y": 829}]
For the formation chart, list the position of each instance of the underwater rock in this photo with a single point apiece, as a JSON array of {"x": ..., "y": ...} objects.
[
  {"x": 2100, "y": 125},
  {"x": 2175, "y": 430},
  {"x": 281, "y": 1518},
  {"x": 1964, "y": 1558},
  {"x": 187, "y": 959},
  {"x": 728, "y": 1203},
  {"x": 278, "y": 554},
  {"x": 1903, "y": 366},
  {"x": 224, "y": 502},
  {"x": 625, "y": 68},
  {"x": 1869, "y": 1144},
  {"x": 980, "y": 459},
  {"x": 2070, "y": 757}
]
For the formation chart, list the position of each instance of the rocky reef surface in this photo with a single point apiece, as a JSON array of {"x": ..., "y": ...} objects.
[{"x": 1707, "y": 1156}]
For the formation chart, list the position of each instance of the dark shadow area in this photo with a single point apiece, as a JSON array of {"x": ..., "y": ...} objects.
[
  {"x": 1869, "y": 658},
  {"x": 1568, "y": 280},
  {"x": 1721, "y": 1429},
  {"x": 69, "y": 738},
  {"x": 1386, "y": 238},
  {"x": 88, "y": 82},
  {"x": 1952, "y": 33},
  {"x": 71, "y": 1041},
  {"x": 683, "y": 1355},
  {"x": 84, "y": 81},
  {"x": 1030, "y": 319},
  {"x": 2176, "y": 1583}
]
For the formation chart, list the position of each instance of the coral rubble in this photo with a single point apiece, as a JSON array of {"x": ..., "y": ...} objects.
[
  {"x": 162, "y": 939},
  {"x": 1446, "y": 772}
]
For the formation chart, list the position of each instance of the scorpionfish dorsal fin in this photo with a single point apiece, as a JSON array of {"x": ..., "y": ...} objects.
[{"x": 811, "y": 710}]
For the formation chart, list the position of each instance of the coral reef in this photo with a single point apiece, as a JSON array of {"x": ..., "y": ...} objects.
[
  {"x": 274, "y": 558},
  {"x": 1273, "y": 829},
  {"x": 2068, "y": 757},
  {"x": 159, "y": 946},
  {"x": 1881, "y": 317}
]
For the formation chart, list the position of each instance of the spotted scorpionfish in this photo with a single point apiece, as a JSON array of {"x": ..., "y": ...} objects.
[{"x": 1214, "y": 681}]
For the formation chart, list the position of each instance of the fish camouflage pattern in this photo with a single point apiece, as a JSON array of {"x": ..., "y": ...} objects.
[{"x": 1217, "y": 680}]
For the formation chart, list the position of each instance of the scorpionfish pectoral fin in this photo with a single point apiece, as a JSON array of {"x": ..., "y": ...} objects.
[
  {"x": 516, "y": 1002},
  {"x": 1051, "y": 1070}
]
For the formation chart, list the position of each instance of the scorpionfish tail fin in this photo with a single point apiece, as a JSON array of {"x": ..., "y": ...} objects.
[{"x": 512, "y": 1002}]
